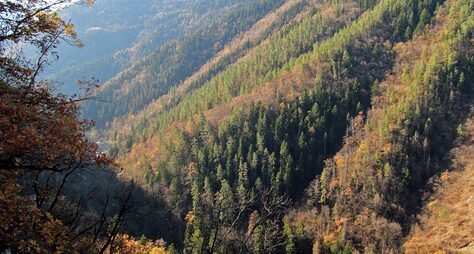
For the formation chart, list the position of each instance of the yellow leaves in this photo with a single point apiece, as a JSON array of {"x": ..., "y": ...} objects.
[
  {"x": 333, "y": 236},
  {"x": 190, "y": 217},
  {"x": 48, "y": 21},
  {"x": 52, "y": 22},
  {"x": 339, "y": 160},
  {"x": 55, "y": 18},
  {"x": 363, "y": 148},
  {"x": 348, "y": 191},
  {"x": 192, "y": 168},
  {"x": 69, "y": 29},
  {"x": 157, "y": 250},
  {"x": 125, "y": 244},
  {"x": 330, "y": 238}
]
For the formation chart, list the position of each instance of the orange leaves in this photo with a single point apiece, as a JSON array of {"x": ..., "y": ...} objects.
[
  {"x": 363, "y": 148},
  {"x": 53, "y": 231},
  {"x": 282, "y": 105},
  {"x": 444, "y": 177},
  {"x": 39, "y": 132},
  {"x": 23, "y": 227},
  {"x": 341, "y": 222},
  {"x": 42, "y": 131},
  {"x": 330, "y": 238},
  {"x": 334, "y": 236}
]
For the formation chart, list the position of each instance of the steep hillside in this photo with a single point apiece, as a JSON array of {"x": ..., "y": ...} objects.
[
  {"x": 235, "y": 49},
  {"x": 375, "y": 78},
  {"x": 134, "y": 88},
  {"x": 291, "y": 73},
  {"x": 369, "y": 193},
  {"x": 117, "y": 34},
  {"x": 446, "y": 223},
  {"x": 267, "y": 61}
]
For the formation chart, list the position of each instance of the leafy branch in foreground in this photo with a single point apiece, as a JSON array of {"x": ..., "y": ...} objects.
[{"x": 43, "y": 145}]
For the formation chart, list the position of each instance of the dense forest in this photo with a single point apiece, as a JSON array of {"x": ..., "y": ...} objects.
[
  {"x": 172, "y": 63},
  {"x": 279, "y": 126}
]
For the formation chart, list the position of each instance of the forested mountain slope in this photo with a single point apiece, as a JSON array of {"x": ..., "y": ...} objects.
[
  {"x": 368, "y": 194},
  {"x": 235, "y": 49},
  {"x": 334, "y": 115},
  {"x": 132, "y": 89},
  {"x": 268, "y": 126},
  {"x": 302, "y": 72},
  {"x": 255, "y": 69}
]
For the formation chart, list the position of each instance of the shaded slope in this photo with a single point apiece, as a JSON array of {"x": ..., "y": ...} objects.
[{"x": 447, "y": 220}]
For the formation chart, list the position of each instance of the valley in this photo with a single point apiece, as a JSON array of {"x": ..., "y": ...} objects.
[{"x": 267, "y": 126}]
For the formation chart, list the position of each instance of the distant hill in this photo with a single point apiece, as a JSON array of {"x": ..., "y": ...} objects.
[{"x": 119, "y": 33}]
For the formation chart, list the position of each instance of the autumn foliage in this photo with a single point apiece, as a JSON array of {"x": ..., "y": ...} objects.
[
  {"x": 42, "y": 138},
  {"x": 23, "y": 227}
]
